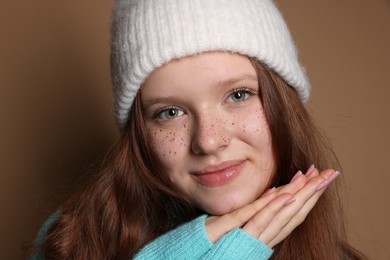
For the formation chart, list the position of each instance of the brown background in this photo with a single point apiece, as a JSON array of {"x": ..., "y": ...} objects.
[{"x": 56, "y": 119}]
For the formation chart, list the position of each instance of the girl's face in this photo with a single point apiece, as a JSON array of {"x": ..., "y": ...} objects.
[{"x": 208, "y": 129}]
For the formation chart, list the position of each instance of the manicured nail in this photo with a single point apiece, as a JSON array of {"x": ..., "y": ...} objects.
[
  {"x": 292, "y": 200},
  {"x": 322, "y": 185},
  {"x": 310, "y": 170},
  {"x": 333, "y": 176},
  {"x": 270, "y": 191},
  {"x": 299, "y": 173},
  {"x": 328, "y": 181}
]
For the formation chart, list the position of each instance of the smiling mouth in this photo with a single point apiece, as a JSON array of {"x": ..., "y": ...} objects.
[{"x": 219, "y": 175}]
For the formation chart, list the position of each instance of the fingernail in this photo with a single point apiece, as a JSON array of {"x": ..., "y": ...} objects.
[
  {"x": 310, "y": 170},
  {"x": 333, "y": 176},
  {"x": 322, "y": 185},
  {"x": 328, "y": 181},
  {"x": 299, "y": 173},
  {"x": 270, "y": 191},
  {"x": 292, "y": 200}
]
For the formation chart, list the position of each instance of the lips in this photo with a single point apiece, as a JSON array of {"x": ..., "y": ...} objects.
[{"x": 220, "y": 174}]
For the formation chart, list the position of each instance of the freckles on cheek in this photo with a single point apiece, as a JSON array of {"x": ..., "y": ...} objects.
[
  {"x": 254, "y": 125},
  {"x": 167, "y": 144}
]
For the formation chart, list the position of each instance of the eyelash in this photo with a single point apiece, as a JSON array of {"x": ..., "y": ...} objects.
[
  {"x": 247, "y": 90},
  {"x": 158, "y": 112}
]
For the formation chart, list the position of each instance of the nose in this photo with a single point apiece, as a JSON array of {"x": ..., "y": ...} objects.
[{"x": 210, "y": 135}]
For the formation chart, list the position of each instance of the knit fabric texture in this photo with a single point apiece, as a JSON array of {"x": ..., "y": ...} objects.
[
  {"x": 149, "y": 33},
  {"x": 190, "y": 241}
]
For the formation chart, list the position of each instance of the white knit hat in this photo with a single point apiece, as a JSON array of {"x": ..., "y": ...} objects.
[{"x": 149, "y": 33}]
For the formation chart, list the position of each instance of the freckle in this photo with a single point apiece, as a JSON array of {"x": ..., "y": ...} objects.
[
  {"x": 175, "y": 152},
  {"x": 160, "y": 130},
  {"x": 233, "y": 123}
]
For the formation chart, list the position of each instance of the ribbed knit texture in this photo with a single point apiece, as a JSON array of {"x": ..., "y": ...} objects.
[
  {"x": 190, "y": 241},
  {"x": 149, "y": 33},
  {"x": 239, "y": 245}
]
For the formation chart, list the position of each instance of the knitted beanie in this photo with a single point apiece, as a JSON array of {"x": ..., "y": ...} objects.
[{"x": 147, "y": 34}]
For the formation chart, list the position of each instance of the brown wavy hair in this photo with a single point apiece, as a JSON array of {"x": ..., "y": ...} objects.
[
  {"x": 298, "y": 143},
  {"x": 131, "y": 202}
]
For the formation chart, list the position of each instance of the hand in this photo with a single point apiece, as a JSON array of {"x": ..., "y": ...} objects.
[
  {"x": 275, "y": 222},
  {"x": 273, "y": 216}
]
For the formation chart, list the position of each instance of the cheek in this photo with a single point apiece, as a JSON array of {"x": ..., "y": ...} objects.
[
  {"x": 169, "y": 144},
  {"x": 253, "y": 127}
]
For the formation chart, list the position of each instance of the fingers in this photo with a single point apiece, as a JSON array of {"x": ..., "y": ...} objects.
[
  {"x": 278, "y": 211},
  {"x": 275, "y": 222},
  {"x": 296, "y": 183},
  {"x": 290, "y": 217},
  {"x": 260, "y": 221},
  {"x": 329, "y": 176},
  {"x": 296, "y": 220},
  {"x": 299, "y": 180}
]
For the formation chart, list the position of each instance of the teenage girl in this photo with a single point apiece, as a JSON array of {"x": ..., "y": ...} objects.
[{"x": 218, "y": 157}]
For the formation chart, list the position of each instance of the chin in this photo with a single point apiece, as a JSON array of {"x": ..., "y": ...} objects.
[{"x": 224, "y": 207}]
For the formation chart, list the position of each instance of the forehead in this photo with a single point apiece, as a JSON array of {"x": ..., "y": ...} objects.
[{"x": 206, "y": 68}]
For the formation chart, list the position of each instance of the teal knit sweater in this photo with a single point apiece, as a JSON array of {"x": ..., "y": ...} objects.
[{"x": 190, "y": 241}]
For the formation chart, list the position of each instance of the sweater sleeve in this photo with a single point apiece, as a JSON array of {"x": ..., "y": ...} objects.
[
  {"x": 190, "y": 241},
  {"x": 237, "y": 244},
  {"x": 37, "y": 255}
]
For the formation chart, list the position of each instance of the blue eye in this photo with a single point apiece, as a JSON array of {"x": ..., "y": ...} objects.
[
  {"x": 240, "y": 95},
  {"x": 168, "y": 113}
]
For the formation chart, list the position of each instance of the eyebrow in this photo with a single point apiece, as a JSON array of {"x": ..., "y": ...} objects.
[
  {"x": 233, "y": 81},
  {"x": 156, "y": 100},
  {"x": 228, "y": 82}
]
